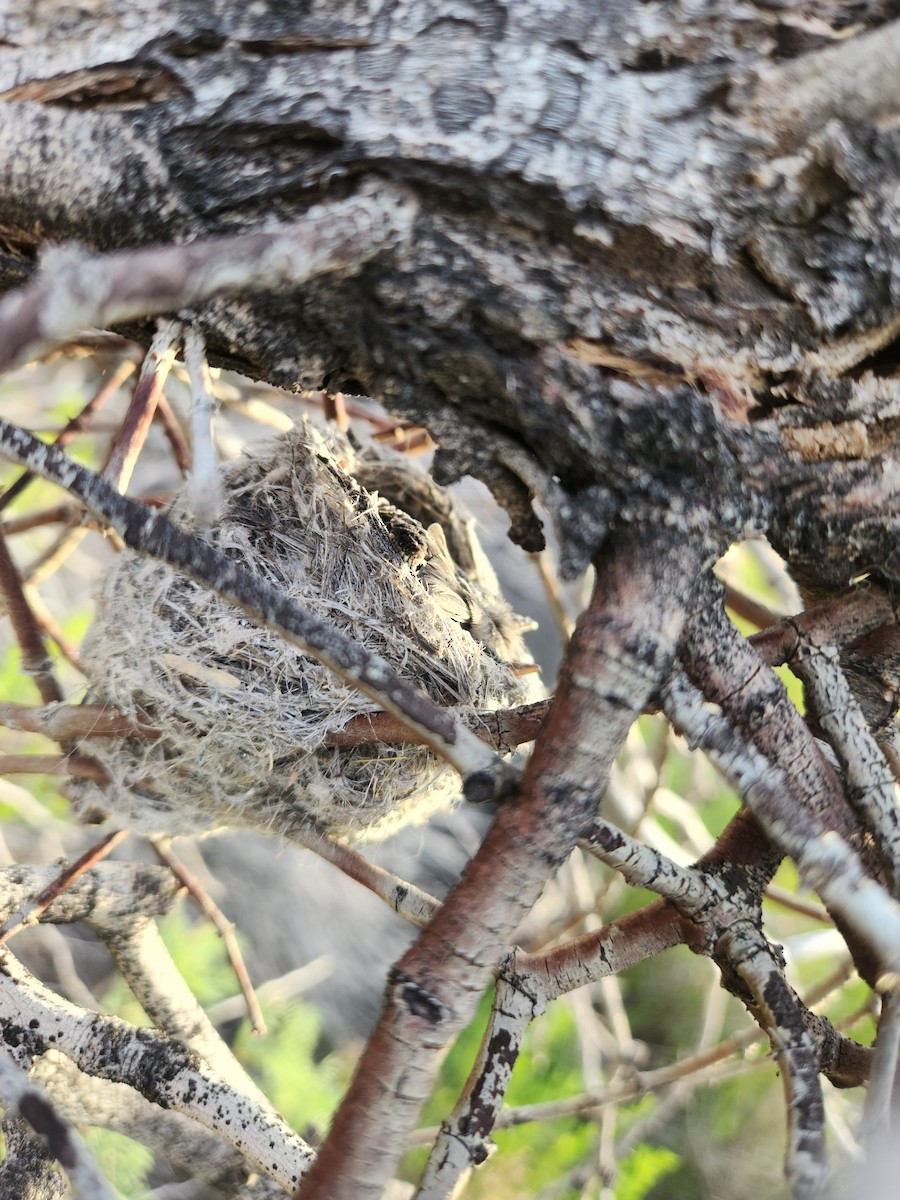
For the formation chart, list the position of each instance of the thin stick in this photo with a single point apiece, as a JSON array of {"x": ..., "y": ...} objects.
[
  {"x": 221, "y": 924},
  {"x": 35, "y": 660},
  {"x": 75, "y": 425},
  {"x": 50, "y": 627},
  {"x": 74, "y": 765},
  {"x": 171, "y": 426},
  {"x": 65, "y": 721},
  {"x": 36, "y": 520},
  {"x": 205, "y": 490},
  {"x": 550, "y": 583},
  {"x": 74, "y": 288},
  {"x": 133, "y": 433},
  {"x": 404, "y": 898},
  {"x": 33, "y": 909},
  {"x": 749, "y": 609},
  {"x": 49, "y": 562},
  {"x": 877, "y": 1119}
]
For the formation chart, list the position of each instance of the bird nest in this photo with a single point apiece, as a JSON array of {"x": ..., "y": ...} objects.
[{"x": 357, "y": 536}]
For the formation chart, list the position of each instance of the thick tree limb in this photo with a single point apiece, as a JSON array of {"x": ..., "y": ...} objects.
[{"x": 615, "y": 661}]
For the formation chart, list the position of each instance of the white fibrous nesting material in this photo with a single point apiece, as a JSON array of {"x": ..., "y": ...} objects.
[{"x": 357, "y": 536}]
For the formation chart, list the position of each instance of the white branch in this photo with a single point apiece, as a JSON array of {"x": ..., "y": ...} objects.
[
  {"x": 30, "y": 1101},
  {"x": 160, "y": 1068}
]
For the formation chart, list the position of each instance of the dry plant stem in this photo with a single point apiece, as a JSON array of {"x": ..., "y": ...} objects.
[
  {"x": 224, "y": 928},
  {"x": 879, "y": 1117},
  {"x": 503, "y": 729},
  {"x": 27, "y": 1098},
  {"x": 132, "y": 435},
  {"x": 484, "y": 774},
  {"x": 404, "y": 898},
  {"x": 29, "y": 912},
  {"x": 748, "y": 609},
  {"x": 62, "y": 721},
  {"x": 35, "y": 660},
  {"x": 162, "y": 1069},
  {"x": 788, "y": 900},
  {"x": 50, "y": 628},
  {"x": 550, "y": 583},
  {"x": 75, "y": 288},
  {"x": 36, "y": 520},
  {"x": 622, "y": 649},
  {"x": 75, "y": 425},
  {"x": 796, "y": 1053},
  {"x": 870, "y": 784},
  {"x": 49, "y": 561}
]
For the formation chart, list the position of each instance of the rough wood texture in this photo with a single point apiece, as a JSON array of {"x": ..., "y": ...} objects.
[
  {"x": 647, "y": 275},
  {"x": 664, "y": 193}
]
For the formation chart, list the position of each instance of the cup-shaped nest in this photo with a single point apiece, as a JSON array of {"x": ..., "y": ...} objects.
[{"x": 357, "y": 536}]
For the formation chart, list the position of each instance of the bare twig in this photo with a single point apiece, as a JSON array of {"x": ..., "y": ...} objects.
[
  {"x": 35, "y": 660},
  {"x": 75, "y": 425},
  {"x": 879, "y": 1119},
  {"x": 64, "y": 721},
  {"x": 75, "y": 289},
  {"x": 136, "y": 425},
  {"x": 35, "y": 520},
  {"x": 550, "y": 583},
  {"x": 749, "y": 609},
  {"x": 171, "y": 427},
  {"x": 75, "y": 765},
  {"x": 404, "y": 898},
  {"x": 223, "y": 927},
  {"x": 206, "y": 493},
  {"x": 64, "y": 880}
]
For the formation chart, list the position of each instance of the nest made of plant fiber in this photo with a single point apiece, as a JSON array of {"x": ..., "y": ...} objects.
[{"x": 357, "y": 535}]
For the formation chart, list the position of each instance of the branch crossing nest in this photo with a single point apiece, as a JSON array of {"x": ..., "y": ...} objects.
[{"x": 359, "y": 537}]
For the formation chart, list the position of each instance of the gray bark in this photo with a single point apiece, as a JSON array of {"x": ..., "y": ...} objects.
[
  {"x": 649, "y": 277},
  {"x": 701, "y": 197}
]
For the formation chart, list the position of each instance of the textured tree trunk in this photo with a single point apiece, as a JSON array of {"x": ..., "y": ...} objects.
[
  {"x": 646, "y": 274},
  {"x": 701, "y": 199}
]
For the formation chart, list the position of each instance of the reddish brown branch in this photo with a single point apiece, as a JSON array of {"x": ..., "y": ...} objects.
[
  {"x": 74, "y": 765},
  {"x": 621, "y": 650},
  {"x": 75, "y": 425},
  {"x": 64, "y": 721},
  {"x": 171, "y": 427},
  {"x": 35, "y": 659},
  {"x": 220, "y": 923},
  {"x": 136, "y": 425}
]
